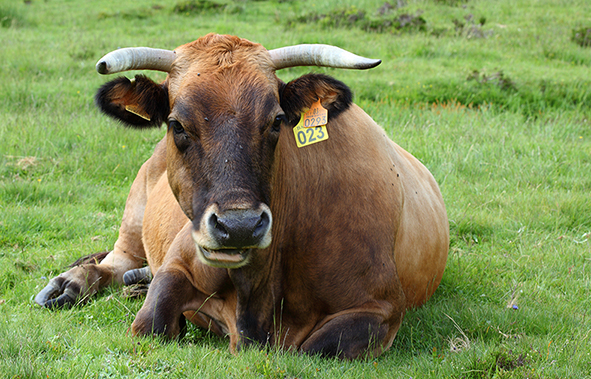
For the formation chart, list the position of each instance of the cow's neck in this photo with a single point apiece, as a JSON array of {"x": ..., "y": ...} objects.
[{"x": 258, "y": 290}]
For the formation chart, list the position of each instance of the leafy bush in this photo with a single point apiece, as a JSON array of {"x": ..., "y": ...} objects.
[
  {"x": 582, "y": 36},
  {"x": 470, "y": 29},
  {"x": 498, "y": 78},
  {"x": 134, "y": 14},
  {"x": 10, "y": 17},
  {"x": 197, "y": 6},
  {"x": 382, "y": 21},
  {"x": 404, "y": 22},
  {"x": 451, "y": 2}
]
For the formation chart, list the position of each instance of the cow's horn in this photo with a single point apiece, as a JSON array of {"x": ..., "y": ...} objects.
[
  {"x": 319, "y": 55},
  {"x": 136, "y": 58}
]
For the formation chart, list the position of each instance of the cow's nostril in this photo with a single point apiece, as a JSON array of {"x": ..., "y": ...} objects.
[
  {"x": 262, "y": 226},
  {"x": 217, "y": 227}
]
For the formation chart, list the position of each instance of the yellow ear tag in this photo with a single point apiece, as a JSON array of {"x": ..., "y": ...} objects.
[
  {"x": 316, "y": 116},
  {"x": 136, "y": 110},
  {"x": 312, "y": 126}
]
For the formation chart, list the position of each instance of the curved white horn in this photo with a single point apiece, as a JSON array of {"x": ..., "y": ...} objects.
[
  {"x": 319, "y": 55},
  {"x": 136, "y": 58}
]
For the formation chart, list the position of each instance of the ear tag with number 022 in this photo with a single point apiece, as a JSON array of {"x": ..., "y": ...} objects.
[{"x": 312, "y": 126}]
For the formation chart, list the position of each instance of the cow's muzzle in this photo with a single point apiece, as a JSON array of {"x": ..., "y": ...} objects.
[{"x": 227, "y": 238}]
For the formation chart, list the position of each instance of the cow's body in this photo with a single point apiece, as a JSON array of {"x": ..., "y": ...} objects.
[{"x": 359, "y": 228}]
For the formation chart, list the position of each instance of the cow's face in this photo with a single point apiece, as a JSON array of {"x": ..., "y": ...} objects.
[
  {"x": 225, "y": 109},
  {"x": 223, "y": 127}
]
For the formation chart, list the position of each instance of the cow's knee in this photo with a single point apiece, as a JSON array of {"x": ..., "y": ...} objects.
[
  {"x": 162, "y": 312},
  {"x": 350, "y": 336}
]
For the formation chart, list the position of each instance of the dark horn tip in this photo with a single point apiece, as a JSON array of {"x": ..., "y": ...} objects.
[
  {"x": 374, "y": 63},
  {"x": 101, "y": 68}
]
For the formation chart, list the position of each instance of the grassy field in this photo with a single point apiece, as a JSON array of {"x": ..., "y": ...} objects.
[{"x": 494, "y": 97}]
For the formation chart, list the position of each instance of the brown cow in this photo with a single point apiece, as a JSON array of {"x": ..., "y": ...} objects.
[{"x": 319, "y": 249}]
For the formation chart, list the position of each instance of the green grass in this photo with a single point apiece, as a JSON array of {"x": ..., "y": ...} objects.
[{"x": 498, "y": 112}]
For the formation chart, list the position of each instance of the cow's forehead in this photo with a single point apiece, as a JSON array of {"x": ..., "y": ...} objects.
[{"x": 227, "y": 59}]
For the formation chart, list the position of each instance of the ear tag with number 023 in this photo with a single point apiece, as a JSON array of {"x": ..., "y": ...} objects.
[{"x": 312, "y": 126}]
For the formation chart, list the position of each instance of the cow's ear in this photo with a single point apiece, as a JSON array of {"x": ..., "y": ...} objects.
[
  {"x": 302, "y": 92},
  {"x": 139, "y": 102}
]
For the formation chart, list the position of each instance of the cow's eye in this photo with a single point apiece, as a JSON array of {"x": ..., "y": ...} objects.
[
  {"x": 180, "y": 136},
  {"x": 277, "y": 122},
  {"x": 176, "y": 127}
]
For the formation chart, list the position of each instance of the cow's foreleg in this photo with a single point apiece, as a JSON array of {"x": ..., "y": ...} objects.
[
  {"x": 173, "y": 298},
  {"x": 169, "y": 294},
  {"x": 85, "y": 280},
  {"x": 352, "y": 335}
]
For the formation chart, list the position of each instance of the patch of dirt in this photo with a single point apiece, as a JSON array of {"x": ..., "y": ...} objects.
[{"x": 508, "y": 361}]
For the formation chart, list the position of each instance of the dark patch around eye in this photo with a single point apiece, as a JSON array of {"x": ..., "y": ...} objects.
[
  {"x": 176, "y": 126},
  {"x": 181, "y": 138},
  {"x": 279, "y": 119}
]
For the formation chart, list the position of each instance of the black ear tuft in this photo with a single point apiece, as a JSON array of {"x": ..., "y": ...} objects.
[
  {"x": 139, "y": 103},
  {"x": 302, "y": 92}
]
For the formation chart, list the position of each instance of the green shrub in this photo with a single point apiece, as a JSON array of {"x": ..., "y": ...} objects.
[
  {"x": 382, "y": 21},
  {"x": 582, "y": 36},
  {"x": 197, "y": 6},
  {"x": 9, "y": 17}
]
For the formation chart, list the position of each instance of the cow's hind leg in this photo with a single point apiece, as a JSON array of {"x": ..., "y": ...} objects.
[{"x": 352, "y": 335}]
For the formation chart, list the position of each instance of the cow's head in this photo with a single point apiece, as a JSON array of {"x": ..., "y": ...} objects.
[{"x": 225, "y": 109}]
